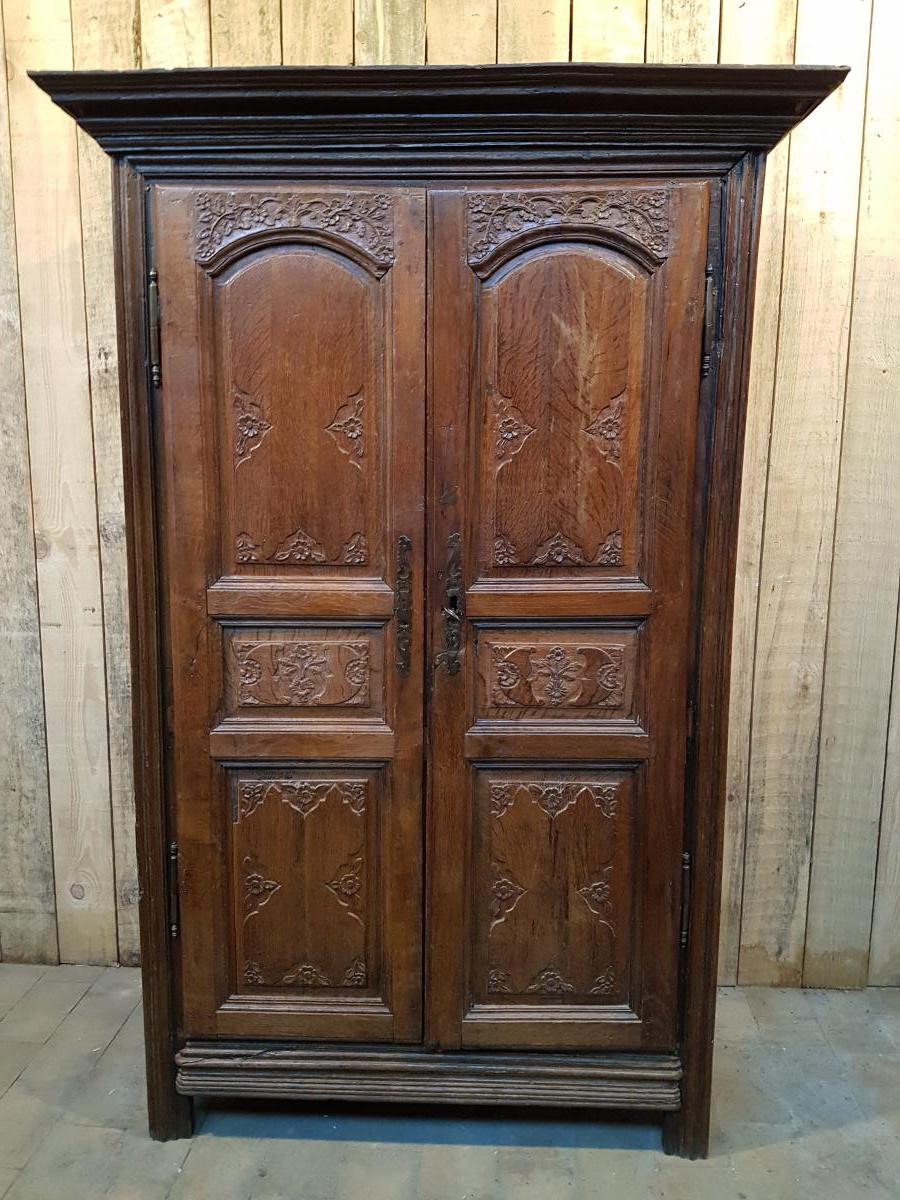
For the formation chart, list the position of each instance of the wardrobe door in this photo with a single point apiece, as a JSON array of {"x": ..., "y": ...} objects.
[
  {"x": 565, "y": 357},
  {"x": 290, "y": 441}
]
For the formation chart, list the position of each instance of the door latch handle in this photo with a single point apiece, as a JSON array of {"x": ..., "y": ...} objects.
[{"x": 452, "y": 609}]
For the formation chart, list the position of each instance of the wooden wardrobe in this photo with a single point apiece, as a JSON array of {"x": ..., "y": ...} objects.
[{"x": 433, "y": 388}]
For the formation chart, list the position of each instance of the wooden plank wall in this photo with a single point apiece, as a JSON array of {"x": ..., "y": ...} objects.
[{"x": 812, "y": 872}]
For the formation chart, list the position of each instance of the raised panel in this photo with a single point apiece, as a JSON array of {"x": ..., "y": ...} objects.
[
  {"x": 303, "y": 673},
  {"x": 588, "y": 673},
  {"x": 299, "y": 387},
  {"x": 553, "y": 902},
  {"x": 306, "y": 882},
  {"x": 561, "y": 413}
]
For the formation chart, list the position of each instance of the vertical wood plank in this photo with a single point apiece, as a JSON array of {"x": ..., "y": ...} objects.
[
  {"x": 175, "y": 33},
  {"x": 245, "y": 34},
  {"x": 866, "y": 570},
  {"x": 317, "y": 32},
  {"x": 389, "y": 31},
  {"x": 105, "y": 35},
  {"x": 753, "y": 31},
  {"x": 461, "y": 32},
  {"x": 48, "y": 232},
  {"x": 682, "y": 31},
  {"x": 533, "y": 31},
  {"x": 884, "y": 958},
  {"x": 823, "y": 190},
  {"x": 608, "y": 30},
  {"x": 27, "y": 902}
]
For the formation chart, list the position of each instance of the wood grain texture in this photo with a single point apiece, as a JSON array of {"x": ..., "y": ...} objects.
[
  {"x": 54, "y": 344},
  {"x": 389, "y": 31},
  {"x": 823, "y": 190},
  {"x": 884, "y": 964},
  {"x": 609, "y": 30},
  {"x": 533, "y": 30},
  {"x": 27, "y": 900},
  {"x": 682, "y": 30},
  {"x": 759, "y": 31},
  {"x": 175, "y": 33},
  {"x": 865, "y": 573},
  {"x": 109, "y": 41},
  {"x": 245, "y": 34},
  {"x": 317, "y": 31},
  {"x": 461, "y": 32}
]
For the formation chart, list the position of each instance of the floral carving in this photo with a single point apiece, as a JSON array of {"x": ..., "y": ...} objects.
[
  {"x": 605, "y": 797},
  {"x": 609, "y": 554},
  {"x": 346, "y": 887},
  {"x": 502, "y": 797},
  {"x": 505, "y": 895},
  {"x": 553, "y": 798},
  {"x": 604, "y": 983},
  {"x": 498, "y": 981},
  {"x": 511, "y": 430},
  {"x": 302, "y": 795},
  {"x": 305, "y": 975},
  {"x": 606, "y": 428},
  {"x": 639, "y": 214},
  {"x": 557, "y": 677},
  {"x": 301, "y": 547},
  {"x": 364, "y": 219},
  {"x": 258, "y": 890},
  {"x": 597, "y": 895},
  {"x": 549, "y": 982},
  {"x": 348, "y": 430},
  {"x": 558, "y": 551},
  {"x": 505, "y": 553},
  {"x": 302, "y": 674},
  {"x": 253, "y": 974},
  {"x": 250, "y": 426},
  {"x": 355, "y": 975},
  {"x": 589, "y": 676}
]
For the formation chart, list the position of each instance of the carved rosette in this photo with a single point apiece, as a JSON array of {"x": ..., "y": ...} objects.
[
  {"x": 510, "y": 429},
  {"x": 604, "y": 983},
  {"x": 250, "y": 426},
  {"x": 346, "y": 887},
  {"x": 257, "y": 890},
  {"x": 639, "y": 214},
  {"x": 364, "y": 219},
  {"x": 348, "y": 430},
  {"x": 498, "y": 981},
  {"x": 505, "y": 895},
  {"x": 606, "y": 428},
  {"x": 597, "y": 894},
  {"x": 557, "y": 677},
  {"x": 502, "y": 797},
  {"x": 549, "y": 982}
]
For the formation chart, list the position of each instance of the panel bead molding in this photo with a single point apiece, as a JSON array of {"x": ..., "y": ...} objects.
[
  {"x": 302, "y": 674},
  {"x": 641, "y": 215},
  {"x": 364, "y": 219}
]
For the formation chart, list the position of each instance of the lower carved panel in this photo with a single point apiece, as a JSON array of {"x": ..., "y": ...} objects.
[{"x": 649, "y": 1082}]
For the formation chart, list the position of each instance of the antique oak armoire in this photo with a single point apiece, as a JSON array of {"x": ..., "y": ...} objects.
[{"x": 433, "y": 386}]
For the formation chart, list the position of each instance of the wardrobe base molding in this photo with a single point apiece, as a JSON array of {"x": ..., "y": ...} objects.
[{"x": 312, "y": 1072}]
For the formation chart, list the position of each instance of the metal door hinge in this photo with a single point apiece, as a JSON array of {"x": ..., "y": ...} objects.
[
  {"x": 153, "y": 326},
  {"x": 709, "y": 323},
  {"x": 685, "y": 898},
  {"x": 172, "y": 881}
]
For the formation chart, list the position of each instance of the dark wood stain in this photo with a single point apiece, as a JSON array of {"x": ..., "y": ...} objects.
[{"x": 479, "y": 336}]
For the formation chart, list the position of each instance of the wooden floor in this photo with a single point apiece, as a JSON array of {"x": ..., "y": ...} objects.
[{"x": 806, "y": 1101}]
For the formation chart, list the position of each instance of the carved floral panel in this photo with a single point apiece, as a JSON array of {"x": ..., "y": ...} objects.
[
  {"x": 639, "y": 214},
  {"x": 295, "y": 673},
  {"x": 365, "y": 219}
]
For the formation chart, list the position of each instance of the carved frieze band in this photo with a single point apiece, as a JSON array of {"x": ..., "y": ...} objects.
[
  {"x": 302, "y": 549},
  {"x": 554, "y": 797},
  {"x": 557, "y": 676},
  {"x": 639, "y": 214},
  {"x": 302, "y": 674},
  {"x": 306, "y": 975},
  {"x": 365, "y": 219},
  {"x": 559, "y": 551},
  {"x": 302, "y": 795}
]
